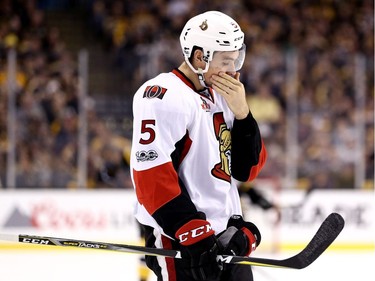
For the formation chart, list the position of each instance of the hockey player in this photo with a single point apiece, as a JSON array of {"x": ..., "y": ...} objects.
[{"x": 193, "y": 134}]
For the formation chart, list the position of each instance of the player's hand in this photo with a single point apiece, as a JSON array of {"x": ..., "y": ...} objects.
[
  {"x": 240, "y": 238},
  {"x": 233, "y": 92},
  {"x": 199, "y": 248}
]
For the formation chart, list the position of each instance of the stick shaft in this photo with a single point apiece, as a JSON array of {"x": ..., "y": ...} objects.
[{"x": 326, "y": 234}]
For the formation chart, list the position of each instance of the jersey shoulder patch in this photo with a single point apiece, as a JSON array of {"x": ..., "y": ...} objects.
[{"x": 154, "y": 91}]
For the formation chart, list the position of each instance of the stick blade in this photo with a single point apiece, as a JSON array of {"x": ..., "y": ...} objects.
[{"x": 326, "y": 234}]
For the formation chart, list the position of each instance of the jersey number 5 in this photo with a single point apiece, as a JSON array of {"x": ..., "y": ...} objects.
[{"x": 147, "y": 128}]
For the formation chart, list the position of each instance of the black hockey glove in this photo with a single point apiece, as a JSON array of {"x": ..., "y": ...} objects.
[
  {"x": 240, "y": 238},
  {"x": 199, "y": 248}
]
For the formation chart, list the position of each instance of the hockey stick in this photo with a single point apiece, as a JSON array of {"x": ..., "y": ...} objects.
[{"x": 326, "y": 234}]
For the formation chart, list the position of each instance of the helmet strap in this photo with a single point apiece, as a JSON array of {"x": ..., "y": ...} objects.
[
  {"x": 200, "y": 72},
  {"x": 201, "y": 77}
]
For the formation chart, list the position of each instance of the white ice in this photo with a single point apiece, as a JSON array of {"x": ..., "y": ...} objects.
[{"x": 62, "y": 265}]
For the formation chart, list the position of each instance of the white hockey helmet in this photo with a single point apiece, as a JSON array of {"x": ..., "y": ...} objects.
[{"x": 212, "y": 31}]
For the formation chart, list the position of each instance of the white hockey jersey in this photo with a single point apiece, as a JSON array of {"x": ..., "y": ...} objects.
[{"x": 181, "y": 154}]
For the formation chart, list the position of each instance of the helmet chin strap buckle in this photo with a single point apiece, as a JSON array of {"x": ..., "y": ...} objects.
[
  {"x": 200, "y": 72},
  {"x": 201, "y": 77}
]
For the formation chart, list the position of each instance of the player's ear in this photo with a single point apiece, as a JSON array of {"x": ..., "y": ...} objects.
[{"x": 198, "y": 60}]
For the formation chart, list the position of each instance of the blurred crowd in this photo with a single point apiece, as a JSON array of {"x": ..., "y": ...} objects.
[
  {"x": 47, "y": 108},
  {"x": 327, "y": 36}
]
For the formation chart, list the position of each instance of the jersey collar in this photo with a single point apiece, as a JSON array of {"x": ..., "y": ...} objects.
[{"x": 206, "y": 92}]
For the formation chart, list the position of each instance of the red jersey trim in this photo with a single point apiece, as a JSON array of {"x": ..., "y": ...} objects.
[
  {"x": 156, "y": 186},
  {"x": 208, "y": 94},
  {"x": 255, "y": 170},
  {"x": 186, "y": 148},
  {"x": 184, "y": 79},
  {"x": 171, "y": 267}
]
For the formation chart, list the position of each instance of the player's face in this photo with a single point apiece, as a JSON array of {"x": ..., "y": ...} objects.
[{"x": 222, "y": 62}]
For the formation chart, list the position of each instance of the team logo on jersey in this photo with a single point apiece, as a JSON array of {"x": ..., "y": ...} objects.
[
  {"x": 154, "y": 91},
  {"x": 221, "y": 170},
  {"x": 205, "y": 105},
  {"x": 143, "y": 155}
]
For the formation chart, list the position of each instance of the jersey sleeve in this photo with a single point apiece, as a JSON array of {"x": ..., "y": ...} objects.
[
  {"x": 160, "y": 141},
  {"x": 248, "y": 150}
]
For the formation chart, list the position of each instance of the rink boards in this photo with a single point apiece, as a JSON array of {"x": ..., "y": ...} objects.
[{"x": 107, "y": 215}]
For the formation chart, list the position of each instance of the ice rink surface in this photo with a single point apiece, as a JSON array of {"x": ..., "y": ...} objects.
[{"x": 67, "y": 264}]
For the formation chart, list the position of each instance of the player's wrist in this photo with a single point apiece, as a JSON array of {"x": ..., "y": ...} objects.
[{"x": 241, "y": 115}]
